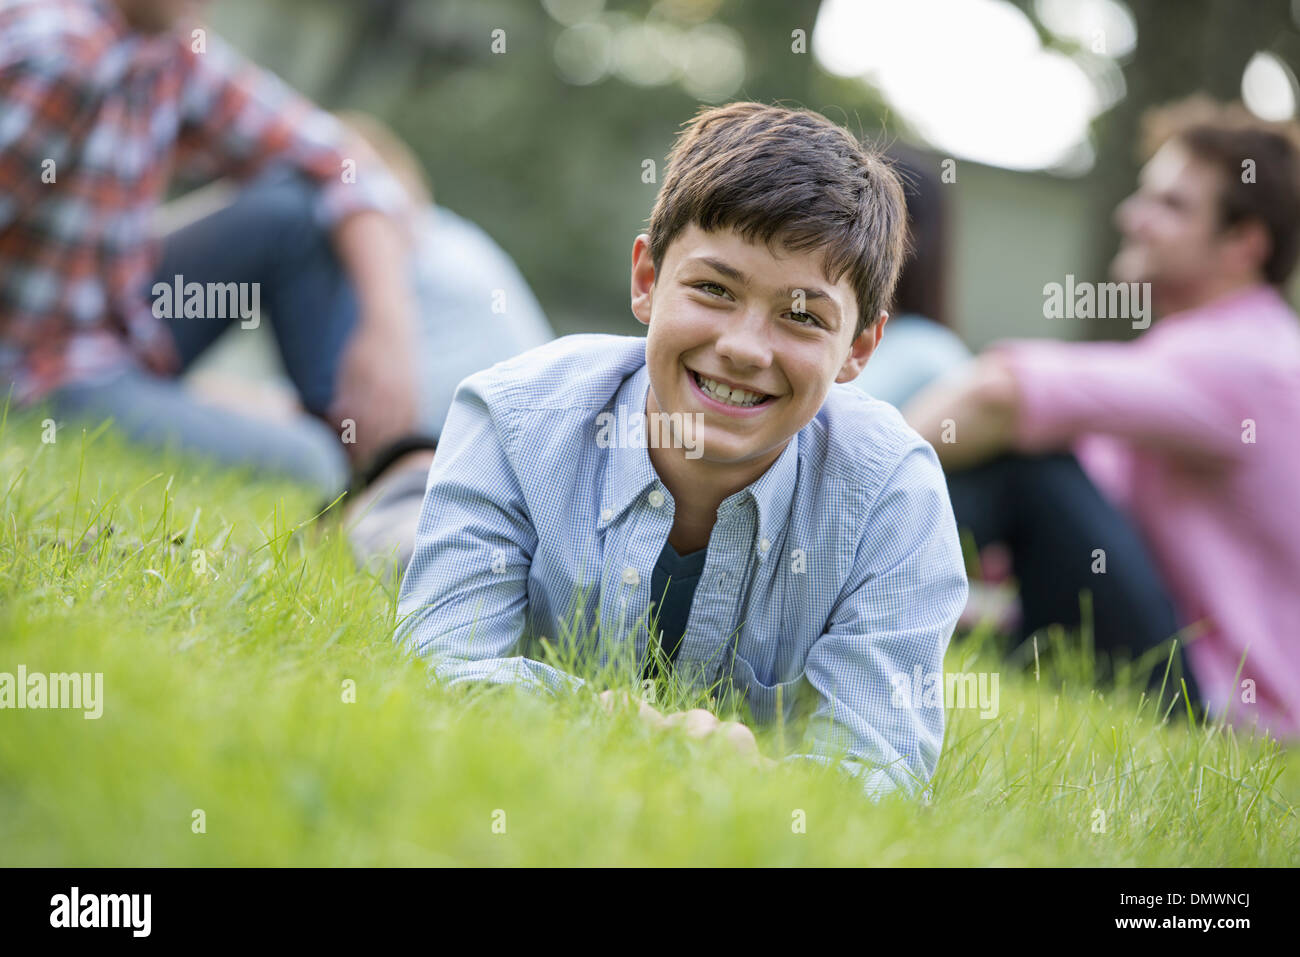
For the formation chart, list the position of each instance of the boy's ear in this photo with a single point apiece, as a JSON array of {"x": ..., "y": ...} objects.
[
  {"x": 643, "y": 278},
  {"x": 863, "y": 346}
]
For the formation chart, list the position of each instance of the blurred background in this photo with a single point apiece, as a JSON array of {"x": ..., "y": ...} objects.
[{"x": 551, "y": 134}]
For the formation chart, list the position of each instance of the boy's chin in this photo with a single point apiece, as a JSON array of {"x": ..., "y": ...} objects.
[{"x": 722, "y": 451}]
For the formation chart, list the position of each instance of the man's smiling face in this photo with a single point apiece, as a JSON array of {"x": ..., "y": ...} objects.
[{"x": 729, "y": 310}]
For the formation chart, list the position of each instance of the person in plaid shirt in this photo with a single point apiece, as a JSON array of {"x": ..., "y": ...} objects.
[{"x": 101, "y": 101}]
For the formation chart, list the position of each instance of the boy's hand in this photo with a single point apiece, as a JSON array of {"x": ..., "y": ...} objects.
[
  {"x": 645, "y": 711},
  {"x": 698, "y": 723},
  {"x": 701, "y": 724}
]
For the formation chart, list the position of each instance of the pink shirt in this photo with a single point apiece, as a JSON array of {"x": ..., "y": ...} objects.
[{"x": 1194, "y": 430}]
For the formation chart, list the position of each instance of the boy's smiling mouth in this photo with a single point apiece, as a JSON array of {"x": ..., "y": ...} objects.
[{"x": 725, "y": 397}]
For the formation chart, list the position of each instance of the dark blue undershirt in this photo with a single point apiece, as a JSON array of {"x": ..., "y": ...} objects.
[{"x": 679, "y": 574}]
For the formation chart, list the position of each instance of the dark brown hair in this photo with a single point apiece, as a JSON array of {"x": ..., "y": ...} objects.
[
  {"x": 923, "y": 283},
  {"x": 793, "y": 176},
  {"x": 1226, "y": 135}
]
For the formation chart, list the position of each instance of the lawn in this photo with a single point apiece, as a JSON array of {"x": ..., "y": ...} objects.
[{"x": 256, "y": 712}]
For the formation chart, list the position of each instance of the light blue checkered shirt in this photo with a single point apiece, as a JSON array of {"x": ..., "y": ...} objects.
[{"x": 835, "y": 570}]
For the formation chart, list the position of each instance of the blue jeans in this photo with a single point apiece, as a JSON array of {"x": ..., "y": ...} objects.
[
  {"x": 1054, "y": 519},
  {"x": 269, "y": 235}
]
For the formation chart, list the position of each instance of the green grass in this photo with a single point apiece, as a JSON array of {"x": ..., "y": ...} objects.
[{"x": 224, "y": 691}]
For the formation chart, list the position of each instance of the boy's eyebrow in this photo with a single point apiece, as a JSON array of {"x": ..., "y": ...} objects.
[
  {"x": 810, "y": 293},
  {"x": 731, "y": 272}
]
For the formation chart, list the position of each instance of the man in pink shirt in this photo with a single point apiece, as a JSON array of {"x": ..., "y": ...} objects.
[{"x": 1183, "y": 516}]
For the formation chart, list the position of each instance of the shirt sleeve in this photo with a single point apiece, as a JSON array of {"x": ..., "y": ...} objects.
[
  {"x": 895, "y": 617},
  {"x": 237, "y": 118},
  {"x": 465, "y": 594},
  {"x": 1163, "y": 397}
]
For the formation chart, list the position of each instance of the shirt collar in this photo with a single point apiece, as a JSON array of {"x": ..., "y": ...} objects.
[{"x": 629, "y": 472}]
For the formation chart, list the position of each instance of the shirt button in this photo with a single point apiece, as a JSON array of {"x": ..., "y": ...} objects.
[
  {"x": 606, "y": 514},
  {"x": 656, "y": 498},
  {"x": 631, "y": 576},
  {"x": 764, "y": 545}
]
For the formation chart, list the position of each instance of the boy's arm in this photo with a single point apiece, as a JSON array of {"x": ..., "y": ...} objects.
[
  {"x": 895, "y": 617},
  {"x": 465, "y": 593}
]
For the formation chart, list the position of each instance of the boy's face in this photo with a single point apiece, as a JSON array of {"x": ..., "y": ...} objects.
[{"x": 731, "y": 310}]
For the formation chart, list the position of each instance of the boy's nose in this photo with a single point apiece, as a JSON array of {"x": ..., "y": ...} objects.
[{"x": 744, "y": 339}]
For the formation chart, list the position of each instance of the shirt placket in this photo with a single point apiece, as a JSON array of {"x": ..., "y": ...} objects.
[
  {"x": 705, "y": 650},
  {"x": 625, "y": 594}
]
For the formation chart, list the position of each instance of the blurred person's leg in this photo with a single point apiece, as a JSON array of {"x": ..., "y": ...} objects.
[
  {"x": 1052, "y": 517},
  {"x": 269, "y": 236},
  {"x": 475, "y": 308},
  {"x": 159, "y": 412}
]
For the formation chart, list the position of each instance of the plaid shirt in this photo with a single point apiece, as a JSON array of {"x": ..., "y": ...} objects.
[
  {"x": 833, "y": 575},
  {"x": 93, "y": 121}
]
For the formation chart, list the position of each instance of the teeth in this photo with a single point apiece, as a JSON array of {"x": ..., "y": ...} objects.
[{"x": 727, "y": 394}]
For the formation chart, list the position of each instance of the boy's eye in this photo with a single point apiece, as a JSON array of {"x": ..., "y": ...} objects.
[
  {"x": 711, "y": 287},
  {"x": 715, "y": 289}
]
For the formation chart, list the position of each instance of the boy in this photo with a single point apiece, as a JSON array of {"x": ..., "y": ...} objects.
[{"x": 815, "y": 523}]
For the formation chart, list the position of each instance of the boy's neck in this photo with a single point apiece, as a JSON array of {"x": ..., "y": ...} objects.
[{"x": 698, "y": 488}]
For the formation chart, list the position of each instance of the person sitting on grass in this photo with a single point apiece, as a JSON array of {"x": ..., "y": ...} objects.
[
  {"x": 1178, "y": 512},
  {"x": 786, "y": 533},
  {"x": 100, "y": 102}
]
